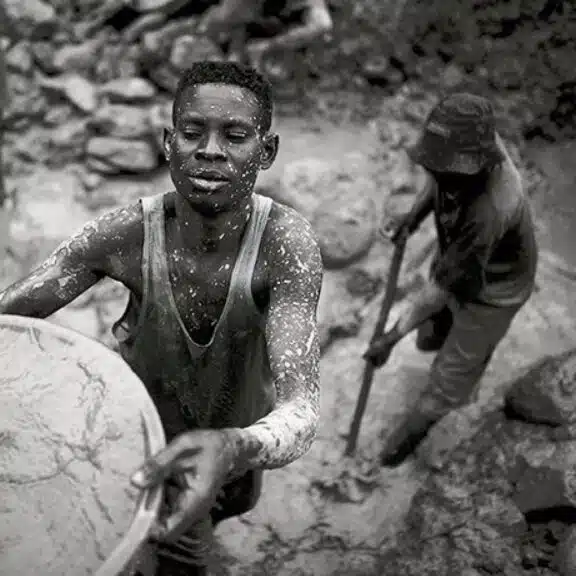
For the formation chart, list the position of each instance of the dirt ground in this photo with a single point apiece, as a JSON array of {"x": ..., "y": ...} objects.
[{"x": 299, "y": 527}]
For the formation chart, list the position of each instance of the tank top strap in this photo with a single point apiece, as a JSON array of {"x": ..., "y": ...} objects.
[
  {"x": 241, "y": 285},
  {"x": 154, "y": 244}
]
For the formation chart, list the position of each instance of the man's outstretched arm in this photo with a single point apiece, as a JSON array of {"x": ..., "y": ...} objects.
[
  {"x": 293, "y": 349},
  {"x": 75, "y": 266}
]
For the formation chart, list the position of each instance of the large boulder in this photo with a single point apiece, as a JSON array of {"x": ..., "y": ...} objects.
[
  {"x": 337, "y": 198},
  {"x": 500, "y": 499},
  {"x": 546, "y": 393}
]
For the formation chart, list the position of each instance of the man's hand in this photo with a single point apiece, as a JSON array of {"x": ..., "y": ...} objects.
[
  {"x": 379, "y": 351},
  {"x": 199, "y": 461},
  {"x": 394, "y": 227}
]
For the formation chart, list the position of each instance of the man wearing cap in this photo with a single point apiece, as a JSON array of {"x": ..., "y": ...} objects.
[{"x": 484, "y": 268}]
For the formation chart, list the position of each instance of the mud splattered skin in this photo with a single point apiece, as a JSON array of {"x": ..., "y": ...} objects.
[
  {"x": 215, "y": 126},
  {"x": 294, "y": 269}
]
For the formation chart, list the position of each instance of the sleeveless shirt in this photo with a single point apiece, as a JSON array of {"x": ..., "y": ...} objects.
[{"x": 224, "y": 383}]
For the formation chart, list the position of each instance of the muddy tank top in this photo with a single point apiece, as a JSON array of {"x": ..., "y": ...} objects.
[{"x": 224, "y": 383}]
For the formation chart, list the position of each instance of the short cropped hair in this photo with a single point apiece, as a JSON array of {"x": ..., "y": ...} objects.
[{"x": 211, "y": 72}]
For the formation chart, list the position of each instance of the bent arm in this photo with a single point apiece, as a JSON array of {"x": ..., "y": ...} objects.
[
  {"x": 428, "y": 302},
  {"x": 75, "y": 266},
  {"x": 317, "y": 21},
  {"x": 423, "y": 205},
  {"x": 287, "y": 432}
]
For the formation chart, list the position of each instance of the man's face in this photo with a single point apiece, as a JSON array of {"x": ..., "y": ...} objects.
[
  {"x": 457, "y": 186},
  {"x": 217, "y": 146}
]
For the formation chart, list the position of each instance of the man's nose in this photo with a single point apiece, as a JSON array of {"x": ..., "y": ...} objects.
[{"x": 210, "y": 148}]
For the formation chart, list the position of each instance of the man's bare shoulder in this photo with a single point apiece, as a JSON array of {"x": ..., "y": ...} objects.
[
  {"x": 291, "y": 244},
  {"x": 108, "y": 239}
]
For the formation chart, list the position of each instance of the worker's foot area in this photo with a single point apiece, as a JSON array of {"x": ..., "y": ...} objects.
[{"x": 406, "y": 437}]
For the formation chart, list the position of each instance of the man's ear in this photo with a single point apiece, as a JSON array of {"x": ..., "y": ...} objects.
[
  {"x": 269, "y": 150},
  {"x": 167, "y": 136}
]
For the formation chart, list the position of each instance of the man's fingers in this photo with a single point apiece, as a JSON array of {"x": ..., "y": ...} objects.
[
  {"x": 190, "y": 506},
  {"x": 157, "y": 468}
]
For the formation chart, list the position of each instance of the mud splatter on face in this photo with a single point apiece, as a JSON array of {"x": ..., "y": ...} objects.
[{"x": 216, "y": 148}]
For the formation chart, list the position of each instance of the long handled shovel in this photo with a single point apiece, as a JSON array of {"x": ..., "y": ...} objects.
[{"x": 369, "y": 368}]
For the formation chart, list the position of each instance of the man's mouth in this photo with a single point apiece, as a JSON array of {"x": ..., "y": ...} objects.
[
  {"x": 207, "y": 180},
  {"x": 208, "y": 176}
]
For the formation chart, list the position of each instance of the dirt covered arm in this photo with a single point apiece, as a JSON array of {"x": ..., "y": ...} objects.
[
  {"x": 423, "y": 204},
  {"x": 317, "y": 21},
  {"x": 75, "y": 266},
  {"x": 295, "y": 265}
]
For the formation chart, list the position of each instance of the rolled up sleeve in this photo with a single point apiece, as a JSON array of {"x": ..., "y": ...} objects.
[{"x": 461, "y": 268}]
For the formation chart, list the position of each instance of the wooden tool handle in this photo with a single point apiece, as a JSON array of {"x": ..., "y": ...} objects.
[{"x": 378, "y": 331}]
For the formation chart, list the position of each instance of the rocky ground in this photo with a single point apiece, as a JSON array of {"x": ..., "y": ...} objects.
[{"x": 89, "y": 103}]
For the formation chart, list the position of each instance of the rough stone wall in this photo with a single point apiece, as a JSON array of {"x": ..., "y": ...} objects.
[{"x": 510, "y": 46}]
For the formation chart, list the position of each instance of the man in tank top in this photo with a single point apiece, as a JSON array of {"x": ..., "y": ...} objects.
[{"x": 221, "y": 320}]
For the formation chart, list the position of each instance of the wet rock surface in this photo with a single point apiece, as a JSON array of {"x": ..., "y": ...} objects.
[{"x": 492, "y": 505}]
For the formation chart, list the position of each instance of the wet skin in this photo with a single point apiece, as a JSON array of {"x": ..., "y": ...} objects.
[{"x": 215, "y": 151}]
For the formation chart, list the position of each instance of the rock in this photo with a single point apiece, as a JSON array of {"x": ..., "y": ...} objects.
[
  {"x": 547, "y": 391},
  {"x": 118, "y": 61},
  {"x": 114, "y": 155},
  {"x": 19, "y": 58},
  {"x": 27, "y": 103},
  {"x": 80, "y": 58},
  {"x": 58, "y": 114},
  {"x": 189, "y": 49},
  {"x": 336, "y": 200},
  {"x": 165, "y": 77},
  {"x": 363, "y": 282},
  {"x": 67, "y": 142},
  {"x": 100, "y": 166},
  {"x": 456, "y": 427},
  {"x": 33, "y": 19},
  {"x": 345, "y": 230},
  {"x": 44, "y": 55},
  {"x": 566, "y": 553},
  {"x": 165, "y": 6},
  {"x": 75, "y": 88},
  {"x": 89, "y": 180},
  {"x": 300, "y": 183},
  {"x": 144, "y": 23},
  {"x": 129, "y": 90},
  {"x": 121, "y": 121},
  {"x": 497, "y": 474},
  {"x": 463, "y": 517},
  {"x": 546, "y": 477}
]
